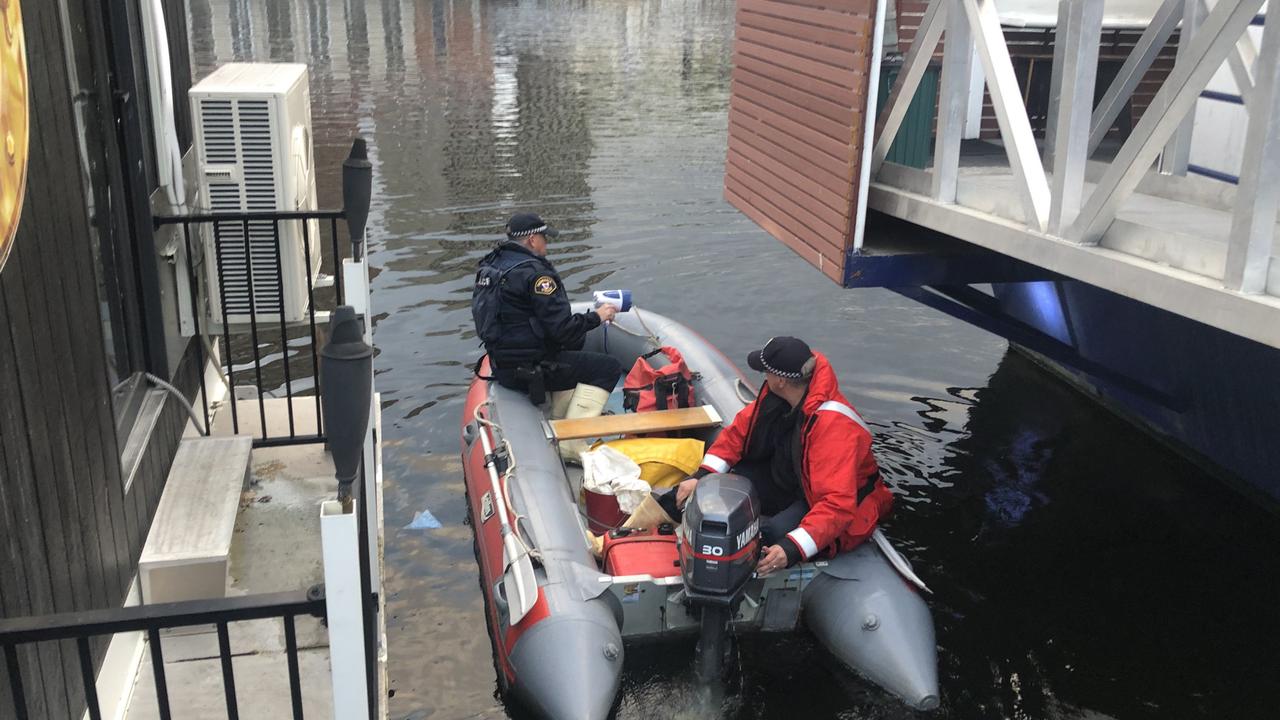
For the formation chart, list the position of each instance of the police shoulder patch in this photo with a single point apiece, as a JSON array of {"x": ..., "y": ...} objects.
[{"x": 544, "y": 285}]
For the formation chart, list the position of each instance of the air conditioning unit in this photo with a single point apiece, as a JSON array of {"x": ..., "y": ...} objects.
[{"x": 253, "y": 142}]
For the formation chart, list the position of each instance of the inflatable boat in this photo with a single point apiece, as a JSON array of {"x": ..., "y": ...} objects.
[{"x": 560, "y": 617}]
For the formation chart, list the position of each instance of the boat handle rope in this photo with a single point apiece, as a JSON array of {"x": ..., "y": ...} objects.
[
  {"x": 647, "y": 335},
  {"x": 506, "y": 495}
]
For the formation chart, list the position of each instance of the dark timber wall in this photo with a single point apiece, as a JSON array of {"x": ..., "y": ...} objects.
[{"x": 70, "y": 534}]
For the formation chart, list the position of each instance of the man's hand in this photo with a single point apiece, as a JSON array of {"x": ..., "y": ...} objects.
[
  {"x": 606, "y": 312},
  {"x": 774, "y": 558},
  {"x": 684, "y": 490}
]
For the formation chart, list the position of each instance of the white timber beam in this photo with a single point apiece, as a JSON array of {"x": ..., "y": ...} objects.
[
  {"x": 1006, "y": 97},
  {"x": 904, "y": 89},
  {"x": 1189, "y": 294},
  {"x": 1153, "y": 39},
  {"x": 1074, "y": 79},
  {"x": 1177, "y": 96},
  {"x": 1242, "y": 63},
  {"x": 1055, "y": 81},
  {"x": 1177, "y": 152},
  {"x": 1253, "y": 220},
  {"x": 977, "y": 98},
  {"x": 953, "y": 103}
]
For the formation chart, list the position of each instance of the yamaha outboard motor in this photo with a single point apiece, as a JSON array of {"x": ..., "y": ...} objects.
[{"x": 719, "y": 549}]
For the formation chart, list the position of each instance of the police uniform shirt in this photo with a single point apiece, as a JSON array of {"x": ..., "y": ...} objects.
[{"x": 536, "y": 318}]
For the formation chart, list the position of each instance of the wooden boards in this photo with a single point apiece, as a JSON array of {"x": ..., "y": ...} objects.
[
  {"x": 636, "y": 423},
  {"x": 189, "y": 544},
  {"x": 796, "y": 121},
  {"x": 71, "y": 523}
]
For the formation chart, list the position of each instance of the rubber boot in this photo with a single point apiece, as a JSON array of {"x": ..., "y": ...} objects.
[
  {"x": 587, "y": 401},
  {"x": 560, "y": 403}
]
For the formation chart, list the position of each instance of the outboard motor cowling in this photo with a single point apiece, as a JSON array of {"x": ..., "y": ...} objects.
[
  {"x": 719, "y": 549},
  {"x": 719, "y": 539}
]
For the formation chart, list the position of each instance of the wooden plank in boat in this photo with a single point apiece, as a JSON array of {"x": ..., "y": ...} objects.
[{"x": 635, "y": 423}]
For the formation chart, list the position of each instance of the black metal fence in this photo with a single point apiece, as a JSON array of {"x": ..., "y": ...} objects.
[
  {"x": 248, "y": 347},
  {"x": 152, "y": 619},
  {"x": 83, "y": 627},
  {"x": 228, "y": 244}
]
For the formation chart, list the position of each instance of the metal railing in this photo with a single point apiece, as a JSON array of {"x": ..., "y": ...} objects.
[
  {"x": 1062, "y": 205},
  {"x": 152, "y": 619},
  {"x": 250, "y": 357},
  {"x": 82, "y": 627},
  {"x": 237, "y": 360},
  {"x": 230, "y": 241}
]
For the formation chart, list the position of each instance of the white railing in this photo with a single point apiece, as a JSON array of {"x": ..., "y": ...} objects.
[{"x": 1063, "y": 206}]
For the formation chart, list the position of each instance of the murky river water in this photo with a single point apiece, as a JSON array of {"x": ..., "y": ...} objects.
[{"x": 1081, "y": 570}]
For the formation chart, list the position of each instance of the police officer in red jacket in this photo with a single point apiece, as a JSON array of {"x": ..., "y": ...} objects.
[{"x": 808, "y": 454}]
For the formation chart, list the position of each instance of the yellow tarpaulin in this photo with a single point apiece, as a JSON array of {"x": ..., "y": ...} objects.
[{"x": 663, "y": 462}]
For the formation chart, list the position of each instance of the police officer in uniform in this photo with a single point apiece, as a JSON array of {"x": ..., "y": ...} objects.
[{"x": 531, "y": 335}]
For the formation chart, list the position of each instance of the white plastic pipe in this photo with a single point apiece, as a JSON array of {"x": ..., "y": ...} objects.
[
  {"x": 339, "y": 541},
  {"x": 355, "y": 278},
  {"x": 869, "y": 126}
]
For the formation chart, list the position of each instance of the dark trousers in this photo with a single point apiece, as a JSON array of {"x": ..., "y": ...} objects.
[
  {"x": 779, "y": 518},
  {"x": 566, "y": 370},
  {"x": 781, "y": 510}
]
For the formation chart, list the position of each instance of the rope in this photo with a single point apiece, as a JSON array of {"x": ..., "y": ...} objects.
[
  {"x": 649, "y": 334},
  {"x": 516, "y": 517}
]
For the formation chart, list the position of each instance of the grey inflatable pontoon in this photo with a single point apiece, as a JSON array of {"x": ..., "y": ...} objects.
[{"x": 559, "y": 623}]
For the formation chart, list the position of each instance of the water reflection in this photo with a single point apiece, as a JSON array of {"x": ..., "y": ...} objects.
[
  {"x": 241, "y": 28},
  {"x": 279, "y": 32},
  {"x": 1053, "y": 534}
]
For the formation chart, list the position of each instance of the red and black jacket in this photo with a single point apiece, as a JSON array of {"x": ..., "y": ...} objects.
[{"x": 839, "y": 475}]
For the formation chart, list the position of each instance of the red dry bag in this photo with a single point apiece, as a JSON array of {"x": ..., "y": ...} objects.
[{"x": 664, "y": 388}]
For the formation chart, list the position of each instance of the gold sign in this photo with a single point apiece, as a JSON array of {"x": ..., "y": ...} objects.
[{"x": 14, "y": 127}]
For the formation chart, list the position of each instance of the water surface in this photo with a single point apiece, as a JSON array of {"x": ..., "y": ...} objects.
[{"x": 1081, "y": 570}]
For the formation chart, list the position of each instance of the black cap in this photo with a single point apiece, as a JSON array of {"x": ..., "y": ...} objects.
[
  {"x": 525, "y": 224},
  {"x": 782, "y": 356}
]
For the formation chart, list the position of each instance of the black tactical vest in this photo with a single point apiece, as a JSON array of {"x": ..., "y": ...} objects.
[{"x": 486, "y": 296}]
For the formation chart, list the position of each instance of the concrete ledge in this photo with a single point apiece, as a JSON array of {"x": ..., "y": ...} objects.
[{"x": 187, "y": 549}]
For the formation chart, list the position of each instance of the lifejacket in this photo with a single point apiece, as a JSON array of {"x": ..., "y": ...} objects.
[
  {"x": 836, "y": 456},
  {"x": 667, "y": 388}
]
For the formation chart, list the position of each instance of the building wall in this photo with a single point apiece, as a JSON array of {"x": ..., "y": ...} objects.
[{"x": 70, "y": 532}]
